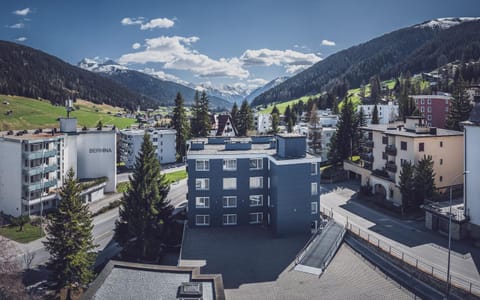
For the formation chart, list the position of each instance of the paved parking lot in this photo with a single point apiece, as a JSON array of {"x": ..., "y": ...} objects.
[{"x": 256, "y": 265}]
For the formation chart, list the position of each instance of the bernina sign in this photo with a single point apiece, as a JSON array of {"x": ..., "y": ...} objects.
[{"x": 99, "y": 150}]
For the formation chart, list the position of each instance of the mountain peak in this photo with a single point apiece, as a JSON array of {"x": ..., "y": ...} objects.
[
  {"x": 95, "y": 65},
  {"x": 445, "y": 23}
]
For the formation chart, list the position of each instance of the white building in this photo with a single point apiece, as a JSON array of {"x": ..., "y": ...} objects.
[
  {"x": 387, "y": 113},
  {"x": 33, "y": 165},
  {"x": 164, "y": 141},
  {"x": 263, "y": 123}
]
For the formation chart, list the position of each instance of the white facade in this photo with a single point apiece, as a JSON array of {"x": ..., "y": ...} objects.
[
  {"x": 263, "y": 123},
  {"x": 472, "y": 165},
  {"x": 387, "y": 113},
  {"x": 164, "y": 141},
  {"x": 33, "y": 165}
]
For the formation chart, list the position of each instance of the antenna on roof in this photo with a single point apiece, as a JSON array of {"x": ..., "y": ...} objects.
[{"x": 69, "y": 106}]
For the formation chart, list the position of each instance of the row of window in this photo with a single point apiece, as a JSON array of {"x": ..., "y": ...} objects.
[
  {"x": 228, "y": 183},
  {"x": 229, "y": 201},
  {"x": 429, "y": 101},
  {"x": 421, "y": 146},
  {"x": 229, "y": 219},
  {"x": 228, "y": 164}
]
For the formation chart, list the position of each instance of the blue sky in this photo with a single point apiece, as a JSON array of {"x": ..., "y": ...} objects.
[{"x": 246, "y": 42}]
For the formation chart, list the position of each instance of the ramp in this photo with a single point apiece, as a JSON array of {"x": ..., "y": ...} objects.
[{"x": 321, "y": 250}]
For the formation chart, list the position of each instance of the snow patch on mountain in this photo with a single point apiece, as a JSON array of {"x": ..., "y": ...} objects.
[
  {"x": 98, "y": 65},
  {"x": 445, "y": 23},
  {"x": 265, "y": 88}
]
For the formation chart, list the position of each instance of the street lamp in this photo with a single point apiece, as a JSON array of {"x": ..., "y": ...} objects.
[{"x": 450, "y": 229}]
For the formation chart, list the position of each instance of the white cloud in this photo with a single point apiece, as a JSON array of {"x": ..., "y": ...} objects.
[
  {"x": 21, "y": 39},
  {"x": 136, "y": 46},
  {"x": 157, "y": 23},
  {"x": 328, "y": 43},
  {"x": 151, "y": 24},
  {"x": 132, "y": 21},
  {"x": 17, "y": 26},
  {"x": 164, "y": 76},
  {"x": 257, "y": 81},
  {"x": 22, "y": 12},
  {"x": 175, "y": 53},
  {"x": 293, "y": 61}
]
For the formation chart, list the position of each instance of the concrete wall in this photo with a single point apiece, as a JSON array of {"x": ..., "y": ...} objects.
[
  {"x": 472, "y": 179},
  {"x": 11, "y": 177},
  {"x": 97, "y": 157}
]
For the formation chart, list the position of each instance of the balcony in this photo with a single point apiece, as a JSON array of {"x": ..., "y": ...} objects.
[
  {"x": 44, "y": 183},
  {"x": 367, "y": 165},
  {"x": 367, "y": 157},
  {"x": 391, "y": 167},
  {"x": 30, "y": 171},
  {"x": 391, "y": 150},
  {"x": 382, "y": 174},
  {"x": 40, "y": 154}
]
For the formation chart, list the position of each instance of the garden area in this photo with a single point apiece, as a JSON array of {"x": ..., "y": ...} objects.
[{"x": 22, "y": 230}]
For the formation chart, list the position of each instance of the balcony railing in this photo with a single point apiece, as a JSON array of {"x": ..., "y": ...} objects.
[
  {"x": 391, "y": 150},
  {"x": 30, "y": 171},
  {"x": 40, "y": 154},
  {"x": 366, "y": 157},
  {"x": 391, "y": 166},
  {"x": 44, "y": 183}
]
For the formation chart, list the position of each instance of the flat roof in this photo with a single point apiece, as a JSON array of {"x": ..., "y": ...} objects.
[
  {"x": 219, "y": 149},
  {"x": 125, "y": 280},
  {"x": 392, "y": 129},
  {"x": 30, "y": 135},
  {"x": 442, "y": 97}
]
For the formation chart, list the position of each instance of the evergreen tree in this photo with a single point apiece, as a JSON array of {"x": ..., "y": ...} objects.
[
  {"x": 424, "y": 179},
  {"x": 245, "y": 119},
  {"x": 205, "y": 124},
  {"x": 180, "y": 124},
  {"x": 375, "y": 89},
  {"x": 145, "y": 213},
  {"x": 375, "y": 115},
  {"x": 234, "y": 114},
  {"x": 275, "y": 110},
  {"x": 460, "y": 106},
  {"x": 289, "y": 119},
  {"x": 314, "y": 130},
  {"x": 362, "y": 93},
  {"x": 194, "y": 121},
  {"x": 341, "y": 145},
  {"x": 275, "y": 122},
  {"x": 361, "y": 118},
  {"x": 70, "y": 240},
  {"x": 407, "y": 184}
]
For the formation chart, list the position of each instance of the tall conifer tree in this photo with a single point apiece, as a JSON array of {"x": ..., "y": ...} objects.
[{"x": 180, "y": 124}]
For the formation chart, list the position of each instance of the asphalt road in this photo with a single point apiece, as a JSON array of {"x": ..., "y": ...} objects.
[
  {"x": 409, "y": 236},
  {"x": 102, "y": 230}
]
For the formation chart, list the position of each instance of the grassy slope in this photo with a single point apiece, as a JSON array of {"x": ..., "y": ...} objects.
[
  {"x": 282, "y": 106},
  {"x": 30, "y": 114}
]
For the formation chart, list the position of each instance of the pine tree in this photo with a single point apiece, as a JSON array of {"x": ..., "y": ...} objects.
[
  {"x": 275, "y": 110},
  {"x": 424, "y": 179},
  {"x": 341, "y": 145},
  {"x": 245, "y": 119},
  {"x": 375, "y": 115},
  {"x": 234, "y": 113},
  {"x": 194, "y": 121},
  {"x": 180, "y": 124},
  {"x": 145, "y": 213},
  {"x": 314, "y": 130},
  {"x": 275, "y": 122},
  {"x": 375, "y": 89},
  {"x": 407, "y": 184},
  {"x": 204, "y": 116},
  {"x": 70, "y": 240},
  {"x": 460, "y": 106}
]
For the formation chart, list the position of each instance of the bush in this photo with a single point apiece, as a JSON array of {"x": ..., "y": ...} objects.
[{"x": 110, "y": 206}]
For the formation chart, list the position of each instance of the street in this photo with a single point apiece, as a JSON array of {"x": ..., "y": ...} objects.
[{"x": 409, "y": 236}]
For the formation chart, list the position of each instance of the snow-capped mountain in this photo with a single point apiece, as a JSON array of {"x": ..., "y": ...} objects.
[
  {"x": 445, "y": 23},
  {"x": 265, "y": 88},
  {"x": 98, "y": 66},
  {"x": 230, "y": 92}
]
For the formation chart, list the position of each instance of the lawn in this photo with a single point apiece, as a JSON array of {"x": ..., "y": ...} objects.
[
  {"x": 29, "y": 114},
  {"x": 172, "y": 177},
  {"x": 29, "y": 233},
  {"x": 282, "y": 106}
]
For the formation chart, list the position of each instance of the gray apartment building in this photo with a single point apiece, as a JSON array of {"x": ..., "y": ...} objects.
[{"x": 263, "y": 180}]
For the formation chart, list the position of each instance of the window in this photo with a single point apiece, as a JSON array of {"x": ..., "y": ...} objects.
[
  {"x": 441, "y": 144},
  {"x": 313, "y": 169},
  {"x": 202, "y": 184},
  {"x": 202, "y": 202},
  {"x": 230, "y": 164},
  {"x": 384, "y": 140},
  {"x": 256, "y": 200},
  {"x": 155, "y": 139},
  {"x": 441, "y": 161},
  {"x": 423, "y": 101},
  {"x": 384, "y": 155},
  {"x": 422, "y": 109},
  {"x": 421, "y": 147},
  {"x": 403, "y": 145},
  {"x": 229, "y": 201},
  {"x": 446, "y": 109},
  {"x": 441, "y": 178},
  {"x": 429, "y": 101},
  {"x": 256, "y": 218},
  {"x": 256, "y": 182},
  {"x": 256, "y": 163},
  {"x": 429, "y": 109},
  {"x": 314, "y": 188},
  {"x": 229, "y": 183},
  {"x": 314, "y": 208},
  {"x": 230, "y": 219},
  {"x": 202, "y": 165},
  {"x": 202, "y": 220}
]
